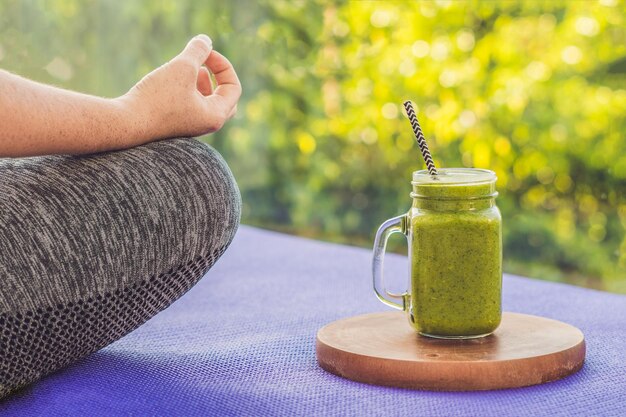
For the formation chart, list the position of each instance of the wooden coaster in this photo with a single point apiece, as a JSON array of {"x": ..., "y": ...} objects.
[{"x": 383, "y": 349}]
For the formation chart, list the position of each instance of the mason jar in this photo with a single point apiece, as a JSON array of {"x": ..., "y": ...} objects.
[{"x": 454, "y": 234}]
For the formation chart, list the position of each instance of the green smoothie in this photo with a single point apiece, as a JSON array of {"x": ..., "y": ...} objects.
[{"x": 456, "y": 254}]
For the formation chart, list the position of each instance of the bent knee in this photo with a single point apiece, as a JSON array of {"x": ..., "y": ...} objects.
[{"x": 215, "y": 196}]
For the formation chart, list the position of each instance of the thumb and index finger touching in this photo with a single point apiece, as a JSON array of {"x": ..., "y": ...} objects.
[{"x": 199, "y": 50}]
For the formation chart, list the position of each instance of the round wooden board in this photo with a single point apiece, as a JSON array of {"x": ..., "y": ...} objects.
[{"x": 383, "y": 349}]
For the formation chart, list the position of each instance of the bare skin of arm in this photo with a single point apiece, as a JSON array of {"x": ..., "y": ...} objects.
[{"x": 176, "y": 99}]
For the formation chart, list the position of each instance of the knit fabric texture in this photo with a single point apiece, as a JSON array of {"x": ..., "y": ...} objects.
[
  {"x": 241, "y": 342},
  {"x": 92, "y": 246}
]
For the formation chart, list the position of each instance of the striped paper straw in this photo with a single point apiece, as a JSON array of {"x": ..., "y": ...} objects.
[{"x": 419, "y": 136}]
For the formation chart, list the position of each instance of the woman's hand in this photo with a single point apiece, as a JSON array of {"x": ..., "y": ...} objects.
[
  {"x": 179, "y": 99},
  {"x": 176, "y": 99}
]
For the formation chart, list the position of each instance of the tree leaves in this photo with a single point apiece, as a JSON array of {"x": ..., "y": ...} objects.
[{"x": 532, "y": 90}]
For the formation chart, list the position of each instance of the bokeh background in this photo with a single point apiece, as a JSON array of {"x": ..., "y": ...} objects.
[{"x": 533, "y": 90}]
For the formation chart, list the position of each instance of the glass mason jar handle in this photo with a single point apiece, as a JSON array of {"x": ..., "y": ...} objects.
[{"x": 391, "y": 226}]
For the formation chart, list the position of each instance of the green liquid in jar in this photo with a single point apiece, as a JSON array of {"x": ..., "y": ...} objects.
[{"x": 456, "y": 260}]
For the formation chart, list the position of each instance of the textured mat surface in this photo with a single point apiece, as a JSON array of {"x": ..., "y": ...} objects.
[{"x": 241, "y": 342}]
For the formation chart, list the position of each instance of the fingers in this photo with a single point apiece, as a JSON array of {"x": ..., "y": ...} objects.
[
  {"x": 197, "y": 49},
  {"x": 228, "y": 88},
  {"x": 204, "y": 84}
]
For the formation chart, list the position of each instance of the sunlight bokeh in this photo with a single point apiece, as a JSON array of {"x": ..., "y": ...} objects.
[{"x": 535, "y": 91}]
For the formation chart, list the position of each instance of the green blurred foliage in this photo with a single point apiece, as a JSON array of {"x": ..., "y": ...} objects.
[{"x": 535, "y": 91}]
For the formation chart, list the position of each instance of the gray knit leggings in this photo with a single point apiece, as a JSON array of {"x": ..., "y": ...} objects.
[{"x": 93, "y": 246}]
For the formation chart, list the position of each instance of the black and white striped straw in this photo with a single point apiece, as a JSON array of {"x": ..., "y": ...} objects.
[{"x": 419, "y": 136}]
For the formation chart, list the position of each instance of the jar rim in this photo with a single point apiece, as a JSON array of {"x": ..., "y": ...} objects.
[{"x": 454, "y": 176}]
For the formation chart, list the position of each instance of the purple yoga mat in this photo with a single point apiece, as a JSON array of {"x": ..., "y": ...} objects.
[{"x": 242, "y": 342}]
